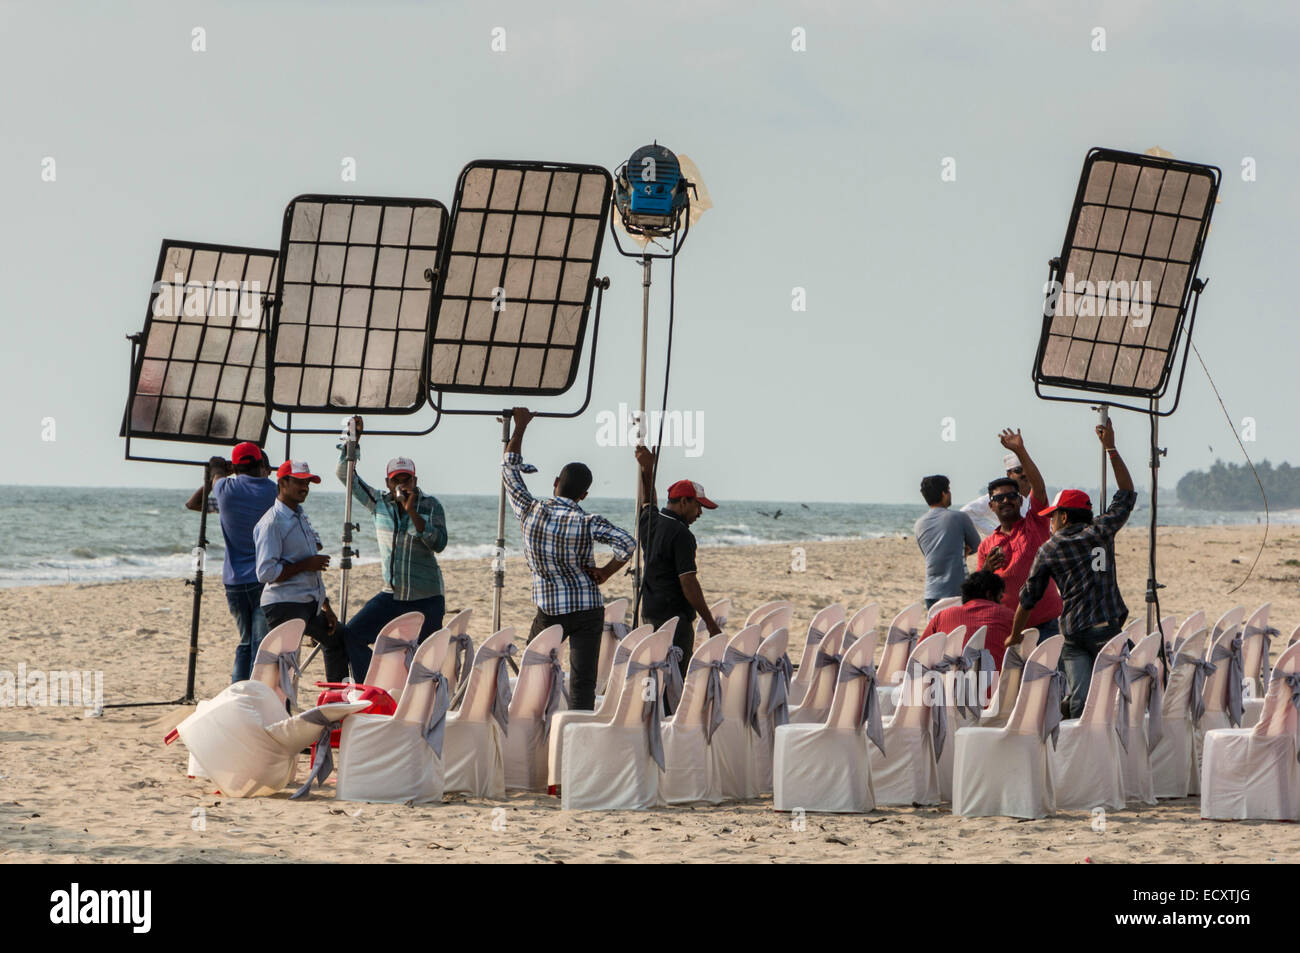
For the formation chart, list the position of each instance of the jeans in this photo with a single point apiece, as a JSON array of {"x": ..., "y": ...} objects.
[
  {"x": 339, "y": 648},
  {"x": 245, "y": 602},
  {"x": 584, "y": 630},
  {"x": 1048, "y": 629},
  {"x": 1077, "y": 657},
  {"x": 363, "y": 628},
  {"x": 684, "y": 639}
]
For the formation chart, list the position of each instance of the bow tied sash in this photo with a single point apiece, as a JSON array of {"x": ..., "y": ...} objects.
[
  {"x": 287, "y": 665},
  {"x": 324, "y": 765},
  {"x": 1055, "y": 689},
  {"x": 385, "y": 644},
  {"x": 1232, "y": 653},
  {"x": 733, "y": 656},
  {"x": 556, "y": 691},
  {"x": 1155, "y": 703},
  {"x": 712, "y": 692},
  {"x": 501, "y": 697},
  {"x": 617, "y": 629},
  {"x": 461, "y": 645},
  {"x": 1200, "y": 670},
  {"x": 973, "y": 663},
  {"x": 435, "y": 725},
  {"x": 652, "y": 707},
  {"x": 778, "y": 703},
  {"x": 868, "y": 714},
  {"x": 938, "y": 713}
]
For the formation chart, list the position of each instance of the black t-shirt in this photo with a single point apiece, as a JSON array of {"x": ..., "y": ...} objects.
[{"x": 671, "y": 552}]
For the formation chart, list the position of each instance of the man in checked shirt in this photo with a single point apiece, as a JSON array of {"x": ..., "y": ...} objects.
[
  {"x": 1080, "y": 557},
  {"x": 558, "y": 538}
]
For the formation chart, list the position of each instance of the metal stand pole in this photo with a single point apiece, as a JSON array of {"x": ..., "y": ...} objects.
[
  {"x": 642, "y": 429},
  {"x": 1103, "y": 418},
  {"x": 499, "y": 557},
  {"x": 345, "y": 560}
]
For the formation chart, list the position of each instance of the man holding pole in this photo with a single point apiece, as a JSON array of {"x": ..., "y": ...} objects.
[
  {"x": 558, "y": 541},
  {"x": 411, "y": 530},
  {"x": 1080, "y": 557}
]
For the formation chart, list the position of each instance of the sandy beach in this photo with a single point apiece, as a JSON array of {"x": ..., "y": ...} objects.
[{"x": 75, "y": 788}]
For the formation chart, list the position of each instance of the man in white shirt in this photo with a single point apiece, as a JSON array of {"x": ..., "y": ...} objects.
[{"x": 978, "y": 509}]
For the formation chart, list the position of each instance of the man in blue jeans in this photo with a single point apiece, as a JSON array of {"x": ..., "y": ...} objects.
[
  {"x": 411, "y": 530},
  {"x": 1080, "y": 557},
  {"x": 242, "y": 499}
]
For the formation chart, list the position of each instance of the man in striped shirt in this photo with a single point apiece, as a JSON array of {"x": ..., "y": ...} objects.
[
  {"x": 411, "y": 529},
  {"x": 558, "y": 544}
]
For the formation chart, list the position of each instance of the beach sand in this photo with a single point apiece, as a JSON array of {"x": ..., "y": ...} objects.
[{"x": 86, "y": 789}]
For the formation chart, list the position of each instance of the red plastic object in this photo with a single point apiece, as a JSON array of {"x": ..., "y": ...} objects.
[{"x": 381, "y": 703}]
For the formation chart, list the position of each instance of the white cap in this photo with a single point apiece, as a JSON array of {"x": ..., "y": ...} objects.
[
  {"x": 1010, "y": 462},
  {"x": 401, "y": 465}
]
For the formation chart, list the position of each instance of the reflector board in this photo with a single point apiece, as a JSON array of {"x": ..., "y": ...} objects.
[
  {"x": 200, "y": 370},
  {"x": 352, "y": 315},
  {"x": 1114, "y": 312},
  {"x": 517, "y": 278}
]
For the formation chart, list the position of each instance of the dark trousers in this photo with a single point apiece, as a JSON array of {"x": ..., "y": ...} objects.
[
  {"x": 338, "y": 648},
  {"x": 363, "y": 628},
  {"x": 1078, "y": 655},
  {"x": 583, "y": 630},
  {"x": 245, "y": 602},
  {"x": 684, "y": 639}
]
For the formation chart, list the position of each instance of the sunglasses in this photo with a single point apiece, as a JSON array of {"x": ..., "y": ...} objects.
[{"x": 1005, "y": 497}]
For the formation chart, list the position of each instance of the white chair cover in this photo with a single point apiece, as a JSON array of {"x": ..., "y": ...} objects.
[
  {"x": 538, "y": 697},
  {"x": 774, "y": 677},
  {"x": 472, "y": 757},
  {"x": 863, "y": 622},
  {"x": 614, "y": 632},
  {"x": 732, "y": 748},
  {"x": 905, "y": 771},
  {"x": 720, "y": 610},
  {"x": 1173, "y": 759},
  {"x": 392, "y": 759},
  {"x": 1221, "y": 701},
  {"x": 821, "y": 672},
  {"x": 946, "y": 603},
  {"x": 1084, "y": 764},
  {"x": 949, "y": 665},
  {"x": 1013, "y": 666},
  {"x": 818, "y": 628},
  {"x": 1003, "y": 772},
  {"x": 767, "y": 609},
  {"x": 689, "y": 776},
  {"x": 393, "y": 651},
  {"x": 1143, "y": 707},
  {"x": 900, "y": 640},
  {"x": 1254, "y": 773}
]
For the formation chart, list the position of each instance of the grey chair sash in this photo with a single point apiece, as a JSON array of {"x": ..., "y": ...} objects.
[
  {"x": 286, "y": 662},
  {"x": 778, "y": 703},
  {"x": 849, "y": 639},
  {"x": 713, "y": 716},
  {"x": 938, "y": 713},
  {"x": 1236, "y": 707},
  {"x": 385, "y": 644},
  {"x": 461, "y": 645},
  {"x": 897, "y": 635},
  {"x": 1200, "y": 669},
  {"x": 1293, "y": 683},
  {"x": 1055, "y": 689},
  {"x": 869, "y": 713},
  {"x": 652, "y": 709},
  {"x": 815, "y": 635},
  {"x": 734, "y": 656},
  {"x": 618, "y": 629},
  {"x": 622, "y": 654},
  {"x": 1265, "y": 634},
  {"x": 557, "y": 690},
  {"x": 501, "y": 698},
  {"x": 324, "y": 765},
  {"x": 1012, "y": 659},
  {"x": 436, "y": 724},
  {"x": 1155, "y": 702},
  {"x": 973, "y": 662},
  {"x": 1123, "y": 683},
  {"x": 823, "y": 659}
]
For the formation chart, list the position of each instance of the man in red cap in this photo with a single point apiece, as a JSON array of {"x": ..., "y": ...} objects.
[
  {"x": 670, "y": 585},
  {"x": 1080, "y": 558},
  {"x": 240, "y": 498}
]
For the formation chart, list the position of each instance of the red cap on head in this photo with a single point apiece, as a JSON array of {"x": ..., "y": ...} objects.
[
  {"x": 690, "y": 490},
  {"x": 1068, "y": 500},
  {"x": 246, "y": 452},
  {"x": 297, "y": 469}
]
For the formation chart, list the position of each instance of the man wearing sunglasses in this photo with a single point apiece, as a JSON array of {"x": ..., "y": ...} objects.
[
  {"x": 978, "y": 509},
  {"x": 1010, "y": 549}
]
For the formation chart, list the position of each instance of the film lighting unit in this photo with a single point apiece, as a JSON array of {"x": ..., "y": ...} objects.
[
  {"x": 652, "y": 197},
  {"x": 1136, "y": 231}
]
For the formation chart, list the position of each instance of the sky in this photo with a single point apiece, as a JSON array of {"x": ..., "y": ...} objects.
[{"x": 923, "y": 296}]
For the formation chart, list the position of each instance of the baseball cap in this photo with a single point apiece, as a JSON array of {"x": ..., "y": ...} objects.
[
  {"x": 1068, "y": 500},
  {"x": 246, "y": 452},
  {"x": 401, "y": 465},
  {"x": 297, "y": 469},
  {"x": 690, "y": 490}
]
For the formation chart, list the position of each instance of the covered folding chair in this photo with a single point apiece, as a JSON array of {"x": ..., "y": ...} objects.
[
  {"x": 1173, "y": 759},
  {"x": 1253, "y": 773},
  {"x": 901, "y": 639},
  {"x": 689, "y": 776},
  {"x": 826, "y": 767},
  {"x": 732, "y": 747},
  {"x": 765, "y": 609},
  {"x": 249, "y": 747},
  {"x": 1084, "y": 763},
  {"x": 1233, "y": 617},
  {"x": 605, "y": 706},
  {"x": 460, "y": 655},
  {"x": 1138, "y": 732},
  {"x": 822, "y": 672},
  {"x": 616, "y": 765},
  {"x": 774, "y": 676},
  {"x": 949, "y": 665},
  {"x": 393, "y": 759},
  {"x": 945, "y": 603},
  {"x": 720, "y": 610},
  {"x": 1003, "y": 772},
  {"x": 614, "y": 631},
  {"x": 863, "y": 622},
  {"x": 1295, "y": 637},
  {"x": 1013, "y": 665},
  {"x": 393, "y": 651},
  {"x": 1222, "y": 704},
  {"x": 473, "y": 759},
  {"x": 821, "y": 624},
  {"x": 538, "y": 696},
  {"x": 1256, "y": 647},
  {"x": 905, "y": 772},
  {"x": 1193, "y": 624},
  {"x": 781, "y": 618}
]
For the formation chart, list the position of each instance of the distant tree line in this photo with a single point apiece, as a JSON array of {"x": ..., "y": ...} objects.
[{"x": 1232, "y": 486}]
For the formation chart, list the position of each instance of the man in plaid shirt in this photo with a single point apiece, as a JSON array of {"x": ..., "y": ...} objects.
[
  {"x": 558, "y": 538},
  {"x": 1080, "y": 557}
]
